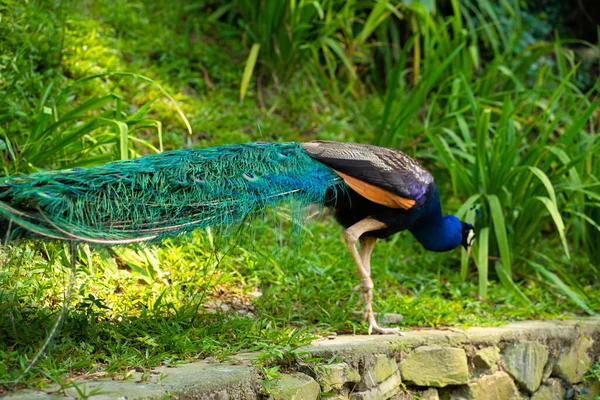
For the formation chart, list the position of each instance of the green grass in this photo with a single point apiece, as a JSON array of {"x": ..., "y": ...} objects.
[
  {"x": 451, "y": 100},
  {"x": 138, "y": 308}
]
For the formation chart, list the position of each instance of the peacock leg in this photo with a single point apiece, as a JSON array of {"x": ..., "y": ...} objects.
[
  {"x": 351, "y": 236},
  {"x": 366, "y": 248}
]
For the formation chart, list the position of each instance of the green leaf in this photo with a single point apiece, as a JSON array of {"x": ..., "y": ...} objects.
[
  {"x": 483, "y": 242},
  {"x": 337, "y": 49},
  {"x": 376, "y": 17},
  {"x": 558, "y": 221},
  {"x": 249, "y": 70},
  {"x": 470, "y": 202},
  {"x": 545, "y": 181},
  {"x": 483, "y": 167},
  {"x": 587, "y": 219},
  {"x": 508, "y": 283},
  {"x": 500, "y": 231},
  {"x": 123, "y": 139},
  {"x": 554, "y": 279}
]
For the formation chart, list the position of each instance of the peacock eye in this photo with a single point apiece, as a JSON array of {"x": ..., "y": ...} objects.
[
  {"x": 198, "y": 179},
  {"x": 249, "y": 176}
]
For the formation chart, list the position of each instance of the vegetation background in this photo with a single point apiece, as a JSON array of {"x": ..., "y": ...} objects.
[{"x": 499, "y": 99}]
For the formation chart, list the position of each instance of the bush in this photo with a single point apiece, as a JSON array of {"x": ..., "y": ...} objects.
[{"x": 517, "y": 137}]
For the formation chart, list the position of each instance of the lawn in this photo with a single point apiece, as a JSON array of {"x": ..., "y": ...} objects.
[{"x": 499, "y": 102}]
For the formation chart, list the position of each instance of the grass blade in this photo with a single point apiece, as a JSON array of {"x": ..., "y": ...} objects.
[
  {"x": 507, "y": 281},
  {"x": 500, "y": 232},
  {"x": 249, "y": 70},
  {"x": 337, "y": 49},
  {"x": 554, "y": 279},
  {"x": 483, "y": 243}
]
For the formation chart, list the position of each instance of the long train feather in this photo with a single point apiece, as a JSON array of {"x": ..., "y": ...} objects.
[{"x": 165, "y": 194}]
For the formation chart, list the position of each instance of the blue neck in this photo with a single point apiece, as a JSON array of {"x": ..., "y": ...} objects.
[{"x": 434, "y": 231}]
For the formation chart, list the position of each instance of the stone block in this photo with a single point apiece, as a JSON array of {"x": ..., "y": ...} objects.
[
  {"x": 573, "y": 362},
  {"x": 592, "y": 389},
  {"x": 342, "y": 394},
  {"x": 435, "y": 366},
  {"x": 487, "y": 357},
  {"x": 385, "y": 390},
  {"x": 335, "y": 376},
  {"x": 375, "y": 370},
  {"x": 384, "y": 367},
  {"x": 552, "y": 389},
  {"x": 294, "y": 387},
  {"x": 498, "y": 386},
  {"x": 525, "y": 363},
  {"x": 429, "y": 394}
]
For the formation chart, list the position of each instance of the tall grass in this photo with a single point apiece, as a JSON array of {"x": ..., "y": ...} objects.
[
  {"x": 515, "y": 134},
  {"x": 97, "y": 130},
  {"x": 329, "y": 41}
]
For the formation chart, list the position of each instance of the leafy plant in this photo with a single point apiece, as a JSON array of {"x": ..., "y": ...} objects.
[
  {"x": 594, "y": 373},
  {"x": 331, "y": 39},
  {"x": 86, "y": 134}
]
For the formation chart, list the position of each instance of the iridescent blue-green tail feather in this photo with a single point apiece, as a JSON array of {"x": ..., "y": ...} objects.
[{"x": 165, "y": 194}]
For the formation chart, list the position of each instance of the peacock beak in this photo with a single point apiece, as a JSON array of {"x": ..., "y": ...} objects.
[{"x": 470, "y": 240}]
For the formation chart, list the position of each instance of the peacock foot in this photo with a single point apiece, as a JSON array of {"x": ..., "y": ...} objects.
[
  {"x": 369, "y": 315},
  {"x": 375, "y": 328}
]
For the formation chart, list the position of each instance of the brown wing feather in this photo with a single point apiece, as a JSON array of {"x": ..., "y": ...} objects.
[
  {"x": 376, "y": 194},
  {"x": 389, "y": 170}
]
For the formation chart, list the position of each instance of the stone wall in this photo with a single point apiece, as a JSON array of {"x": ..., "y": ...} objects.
[{"x": 529, "y": 360}]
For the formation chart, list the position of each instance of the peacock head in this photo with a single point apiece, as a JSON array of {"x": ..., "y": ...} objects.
[
  {"x": 468, "y": 237},
  {"x": 448, "y": 235}
]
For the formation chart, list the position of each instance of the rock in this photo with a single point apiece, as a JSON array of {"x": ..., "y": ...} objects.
[
  {"x": 335, "y": 376},
  {"x": 376, "y": 370},
  {"x": 384, "y": 367},
  {"x": 386, "y": 389},
  {"x": 525, "y": 363},
  {"x": 294, "y": 387},
  {"x": 587, "y": 390},
  {"x": 487, "y": 358},
  {"x": 574, "y": 362},
  {"x": 552, "y": 389},
  {"x": 547, "y": 370},
  {"x": 403, "y": 395},
  {"x": 435, "y": 366},
  {"x": 429, "y": 394},
  {"x": 391, "y": 318},
  {"x": 342, "y": 394},
  {"x": 498, "y": 386},
  {"x": 593, "y": 389}
]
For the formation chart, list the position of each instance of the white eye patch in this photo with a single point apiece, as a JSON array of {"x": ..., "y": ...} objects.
[{"x": 471, "y": 237}]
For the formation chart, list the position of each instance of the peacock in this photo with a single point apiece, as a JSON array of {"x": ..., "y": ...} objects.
[{"x": 374, "y": 191}]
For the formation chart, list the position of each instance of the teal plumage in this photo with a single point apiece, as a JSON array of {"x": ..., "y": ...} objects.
[{"x": 165, "y": 194}]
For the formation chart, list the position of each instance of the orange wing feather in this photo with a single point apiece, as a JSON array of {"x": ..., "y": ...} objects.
[{"x": 376, "y": 194}]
